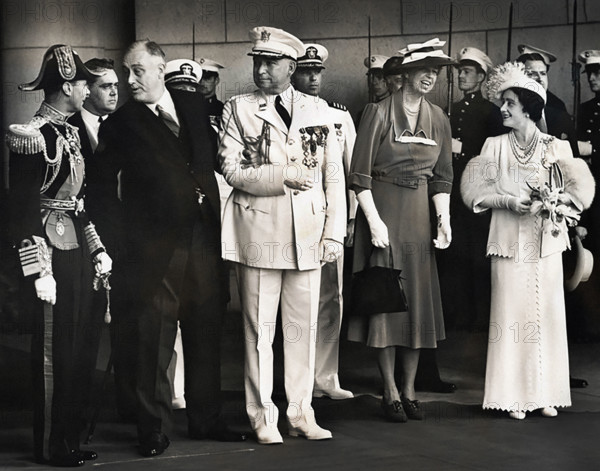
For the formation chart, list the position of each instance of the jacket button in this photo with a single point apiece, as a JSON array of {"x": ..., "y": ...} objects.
[
  {"x": 296, "y": 192},
  {"x": 293, "y": 159},
  {"x": 291, "y": 142}
]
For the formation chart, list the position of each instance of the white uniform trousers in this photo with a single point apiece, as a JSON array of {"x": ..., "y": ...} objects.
[
  {"x": 260, "y": 292},
  {"x": 329, "y": 325}
]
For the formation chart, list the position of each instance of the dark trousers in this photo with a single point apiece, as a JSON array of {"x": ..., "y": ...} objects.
[
  {"x": 180, "y": 297},
  {"x": 63, "y": 356}
]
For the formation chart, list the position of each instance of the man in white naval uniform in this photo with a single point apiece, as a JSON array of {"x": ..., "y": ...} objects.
[
  {"x": 307, "y": 79},
  {"x": 285, "y": 217}
]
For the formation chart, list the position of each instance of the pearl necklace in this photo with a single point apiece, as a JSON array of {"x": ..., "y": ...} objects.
[
  {"x": 523, "y": 153},
  {"x": 411, "y": 112}
]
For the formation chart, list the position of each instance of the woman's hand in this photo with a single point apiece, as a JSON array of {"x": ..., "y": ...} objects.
[
  {"x": 444, "y": 232},
  {"x": 519, "y": 205},
  {"x": 379, "y": 233}
]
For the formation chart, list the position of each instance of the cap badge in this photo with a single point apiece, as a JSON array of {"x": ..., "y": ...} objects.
[
  {"x": 373, "y": 59},
  {"x": 186, "y": 69},
  {"x": 265, "y": 36},
  {"x": 66, "y": 62},
  {"x": 202, "y": 60},
  {"x": 311, "y": 52}
]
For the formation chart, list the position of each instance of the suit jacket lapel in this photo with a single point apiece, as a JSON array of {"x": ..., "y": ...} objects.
[{"x": 266, "y": 111}]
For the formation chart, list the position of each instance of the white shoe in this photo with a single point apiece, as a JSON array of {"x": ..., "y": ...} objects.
[
  {"x": 309, "y": 431},
  {"x": 517, "y": 414},
  {"x": 549, "y": 412},
  {"x": 268, "y": 436},
  {"x": 337, "y": 394}
]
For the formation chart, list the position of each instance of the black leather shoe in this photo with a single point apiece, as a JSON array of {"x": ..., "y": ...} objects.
[
  {"x": 86, "y": 455},
  {"x": 394, "y": 411},
  {"x": 578, "y": 383},
  {"x": 71, "y": 460},
  {"x": 155, "y": 444},
  {"x": 412, "y": 408},
  {"x": 436, "y": 386},
  {"x": 219, "y": 432}
]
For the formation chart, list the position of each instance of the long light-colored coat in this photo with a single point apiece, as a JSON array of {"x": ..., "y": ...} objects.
[{"x": 266, "y": 224}]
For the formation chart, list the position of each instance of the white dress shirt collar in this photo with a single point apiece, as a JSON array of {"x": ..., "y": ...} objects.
[{"x": 166, "y": 102}]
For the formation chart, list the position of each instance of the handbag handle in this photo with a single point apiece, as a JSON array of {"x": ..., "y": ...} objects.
[{"x": 373, "y": 248}]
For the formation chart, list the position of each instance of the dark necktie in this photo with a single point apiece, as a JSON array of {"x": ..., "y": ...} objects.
[
  {"x": 287, "y": 119},
  {"x": 168, "y": 120}
]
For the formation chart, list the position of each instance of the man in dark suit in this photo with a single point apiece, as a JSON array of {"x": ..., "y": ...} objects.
[
  {"x": 165, "y": 232},
  {"x": 102, "y": 101}
]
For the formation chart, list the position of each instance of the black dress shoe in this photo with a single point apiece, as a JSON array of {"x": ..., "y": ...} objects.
[
  {"x": 436, "y": 386},
  {"x": 578, "y": 383},
  {"x": 394, "y": 411},
  {"x": 219, "y": 432},
  {"x": 86, "y": 455},
  {"x": 411, "y": 408},
  {"x": 154, "y": 444},
  {"x": 70, "y": 460}
]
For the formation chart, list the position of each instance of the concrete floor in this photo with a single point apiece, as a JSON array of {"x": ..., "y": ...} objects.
[{"x": 455, "y": 435}]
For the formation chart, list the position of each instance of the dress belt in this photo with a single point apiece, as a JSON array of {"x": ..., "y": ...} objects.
[{"x": 405, "y": 182}]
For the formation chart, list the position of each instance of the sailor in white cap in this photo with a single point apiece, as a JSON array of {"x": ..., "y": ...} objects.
[
  {"x": 208, "y": 88},
  {"x": 378, "y": 89},
  {"x": 555, "y": 119},
  {"x": 588, "y": 130},
  {"x": 285, "y": 218},
  {"x": 588, "y": 121},
  {"x": 182, "y": 74},
  {"x": 307, "y": 79}
]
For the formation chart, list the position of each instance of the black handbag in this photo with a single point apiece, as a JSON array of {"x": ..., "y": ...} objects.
[{"x": 378, "y": 289}]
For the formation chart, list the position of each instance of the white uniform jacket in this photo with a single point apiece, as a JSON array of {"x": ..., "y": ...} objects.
[
  {"x": 265, "y": 223},
  {"x": 346, "y": 135}
]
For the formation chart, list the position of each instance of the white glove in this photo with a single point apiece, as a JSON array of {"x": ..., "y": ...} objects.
[
  {"x": 456, "y": 146},
  {"x": 332, "y": 250},
  {"x": 102, "y": 263},
  {"x": 45, "y": 288},
  {"x": 585, "y": 148},
  {"x": 379, "y": 231},
  {"x": 441, "y": 201},
  {"x": 444, "y": 232}
]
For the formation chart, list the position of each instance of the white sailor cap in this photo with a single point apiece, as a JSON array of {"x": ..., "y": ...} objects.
[
  {"x": 314, "y": 56},
  {"x": 183, "y": 70},
  {"x": 590, "y": 58},
  {"x": 209, "y": 65},
  {"x": 547, "y": 57},
  {"x": 275, "y": 42},
  {"x": 375, "y": 61},
  {"x": 475, "y": 55}
]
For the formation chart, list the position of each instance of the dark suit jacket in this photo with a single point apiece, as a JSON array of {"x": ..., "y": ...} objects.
[{"x": 160, "y": 176}]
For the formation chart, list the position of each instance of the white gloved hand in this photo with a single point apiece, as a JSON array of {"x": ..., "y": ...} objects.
[
  {"x": 332, "y": 250},
  {"x": 456, "y": 146},
  {"x": 102, "y": 263},
  {"x": 45, "y": 288},
  {"x": 444, "y": 232},
  {"x": 585, "y": 148}
]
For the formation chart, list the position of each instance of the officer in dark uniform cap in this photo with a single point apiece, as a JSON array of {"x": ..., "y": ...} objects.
[
  {"x": 59, "y": 251},
  {"x": 588, "y": 120}
]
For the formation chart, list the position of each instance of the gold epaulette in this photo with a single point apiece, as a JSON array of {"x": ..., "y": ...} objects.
[
  {"x": 337, "y": 106},
  {"x": 26, "y": 138}
]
